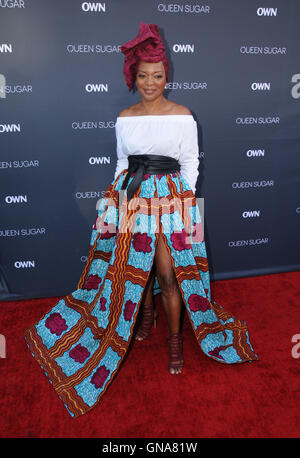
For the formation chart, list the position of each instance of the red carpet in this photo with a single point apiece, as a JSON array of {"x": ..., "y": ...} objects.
[{"x": 209, "y": 399}]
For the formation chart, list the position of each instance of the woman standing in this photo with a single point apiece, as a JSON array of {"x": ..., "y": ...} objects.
[
  {"x": 151, "y": 241},
  {"x": 150, "y": 82}
]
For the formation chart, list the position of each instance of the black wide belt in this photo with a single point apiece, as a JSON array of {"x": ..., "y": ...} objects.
[{"x": 147, "y": 163}]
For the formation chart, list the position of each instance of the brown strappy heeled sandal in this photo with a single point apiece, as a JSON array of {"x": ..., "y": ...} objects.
[
  {"x": 175, "y": 342},
  {"x": 149, "y": 319}
]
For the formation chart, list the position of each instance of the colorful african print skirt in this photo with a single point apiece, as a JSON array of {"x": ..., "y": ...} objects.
[{"x": 81, "y": 342}]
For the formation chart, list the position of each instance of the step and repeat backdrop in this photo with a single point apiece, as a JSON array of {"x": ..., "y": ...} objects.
[{"x": 234, "y": 64}]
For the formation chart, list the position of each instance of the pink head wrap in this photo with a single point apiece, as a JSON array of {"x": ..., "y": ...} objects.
[{"x": 148, "y": 47}]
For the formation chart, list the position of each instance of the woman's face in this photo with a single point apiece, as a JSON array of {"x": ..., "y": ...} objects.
[{"x": 151, "y": 79}]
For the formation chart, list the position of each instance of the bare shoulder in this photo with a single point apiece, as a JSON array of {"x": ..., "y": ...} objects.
[
  {"x": 171, "y": 108},
  {"x": 180, "y": 109},
  {"x": 125, "y": 112},
  {"x": 130, "y": 111}
]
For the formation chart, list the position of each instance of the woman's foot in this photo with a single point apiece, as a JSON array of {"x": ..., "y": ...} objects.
[
  {"x": 149, "y": 319},
  {"x": 175, "y": 342}
]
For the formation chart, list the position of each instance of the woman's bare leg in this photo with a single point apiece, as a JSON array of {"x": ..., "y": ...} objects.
[
  {"x": 147, "y": 306},
  {"x": 171, "y": 296}
]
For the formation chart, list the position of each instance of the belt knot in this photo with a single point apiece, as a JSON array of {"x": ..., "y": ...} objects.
[{"x": 146, "y": 162}]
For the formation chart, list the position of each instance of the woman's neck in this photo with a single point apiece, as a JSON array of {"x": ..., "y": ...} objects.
[{"x": 153, "y": 106}]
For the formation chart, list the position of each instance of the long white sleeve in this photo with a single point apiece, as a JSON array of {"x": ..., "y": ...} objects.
[
  {"x": 122, "y": 161},
  {"x": 189, "y": 154}
]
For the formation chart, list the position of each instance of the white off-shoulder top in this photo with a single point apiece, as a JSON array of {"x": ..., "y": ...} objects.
[{"x": 169, "y": 135}]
